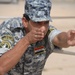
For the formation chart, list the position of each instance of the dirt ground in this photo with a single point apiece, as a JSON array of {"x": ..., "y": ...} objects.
[{"x": 60, "y": 63}]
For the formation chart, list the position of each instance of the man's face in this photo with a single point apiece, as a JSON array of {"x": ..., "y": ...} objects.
[{"x": 43, "y": 25}]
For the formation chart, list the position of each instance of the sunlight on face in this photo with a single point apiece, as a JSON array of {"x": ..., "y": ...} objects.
[{"x": 43, "y": 25}]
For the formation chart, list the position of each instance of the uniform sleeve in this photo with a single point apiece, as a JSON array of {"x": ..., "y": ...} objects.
[
  {"x": 6, "y": 38},
  {"x": 11, "y": 31},
  {"x": 52, "y": 33}
]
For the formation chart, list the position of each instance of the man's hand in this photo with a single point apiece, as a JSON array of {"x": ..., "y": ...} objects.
[
  {"x": 35, "y": 35},
  {"x": 71, "y": 38},
  {"x": 65, "y": 39}
]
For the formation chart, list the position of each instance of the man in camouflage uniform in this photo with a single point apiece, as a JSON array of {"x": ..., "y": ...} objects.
[{"x": 26, "y": 43}]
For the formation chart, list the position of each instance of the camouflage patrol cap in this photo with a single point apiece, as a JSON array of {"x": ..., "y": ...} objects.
[{"x": 38, "y": 10}]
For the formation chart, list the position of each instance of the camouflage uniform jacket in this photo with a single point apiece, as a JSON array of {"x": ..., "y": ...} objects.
[{"x": 33, "y": 60}]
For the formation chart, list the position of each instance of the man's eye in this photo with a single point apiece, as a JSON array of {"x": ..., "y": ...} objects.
[
  {"x": 47, "y": 22},
  {"x": 37, "y": 22}
]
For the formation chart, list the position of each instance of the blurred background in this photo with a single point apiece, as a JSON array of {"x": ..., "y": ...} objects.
[{"x": 63, "y": 16}]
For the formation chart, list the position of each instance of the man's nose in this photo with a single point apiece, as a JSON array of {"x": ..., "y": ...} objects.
[{"x": 42, "y": 28}]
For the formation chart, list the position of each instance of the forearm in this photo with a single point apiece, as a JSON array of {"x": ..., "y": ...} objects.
[
  {"x": 61, "y": 40},
  {"x": 11, "y": 58}
]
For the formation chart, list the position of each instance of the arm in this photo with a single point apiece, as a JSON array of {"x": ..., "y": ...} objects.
[
  {"x": 65, "y": 39},
  {"x": 6, "y": 60}
]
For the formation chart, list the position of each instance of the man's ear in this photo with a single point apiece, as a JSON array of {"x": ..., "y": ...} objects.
[{"x": 25, "y": 22}]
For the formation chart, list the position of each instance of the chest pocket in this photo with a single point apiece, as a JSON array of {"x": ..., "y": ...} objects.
[{"x": 29, "y": 55}]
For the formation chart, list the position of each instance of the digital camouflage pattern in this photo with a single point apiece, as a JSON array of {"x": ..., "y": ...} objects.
[
  {"x": 38, "y": 10},
  {"x": 33, "y": 60}
]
